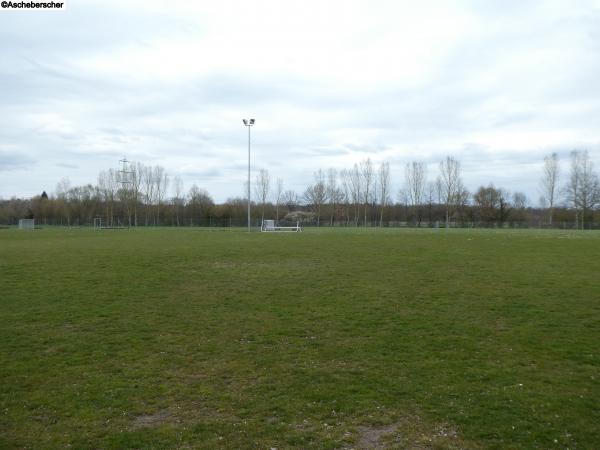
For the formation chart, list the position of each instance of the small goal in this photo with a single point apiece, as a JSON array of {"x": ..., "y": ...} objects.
[
  {"x": 26, "y": 224},
  {"x": 97, "y": 223},
  {"x": 269, "y": 225}
]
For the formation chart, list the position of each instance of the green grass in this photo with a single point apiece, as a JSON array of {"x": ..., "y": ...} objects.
[{"x": 325, "y": 339}]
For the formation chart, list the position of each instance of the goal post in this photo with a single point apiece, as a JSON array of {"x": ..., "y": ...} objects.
[
  {"x": 269, "y": 225},
  {"x": 26, "y": 224},
  {"x": 97, "y": 223}
]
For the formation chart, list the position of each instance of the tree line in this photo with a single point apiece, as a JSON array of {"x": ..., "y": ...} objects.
[{"x": 361, "y": 195}]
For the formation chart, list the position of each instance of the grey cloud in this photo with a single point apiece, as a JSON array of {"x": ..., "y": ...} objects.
[
  {"x": 202, "y": 174},
  {"x": 166, "y": 122},
  {"x": 84, "y": 27},
  {"x": 67, "y": 166},
  {"x": 10, "y": 160}
]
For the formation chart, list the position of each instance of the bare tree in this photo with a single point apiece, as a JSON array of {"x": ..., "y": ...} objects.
[
  {"x": 430, "y": 196},
  {"x": 178, "y": 199},
  {"x": 416, "y": 181},
  {"x": 404, "y": 200},
  {"x": 62, "y": 191},
  {"x": 161, "y": 182},
  {"x": 462, "y": 202},
  {"x": 62, "y": 187},
  {"x": 519, "y": 203},
  {"x": 108, "y": 188},
  {"x": 136, "y": 185},
  {"x": 200, "y": 202},
  {"x": 574, "y": 184},
  {"x": 384, "y": 188},
  {"x": 367, "y": 174},
  {"x": 583, "y": 187},
  {"x": 332, "y": 193},
  {"x": 261, "y": 189},
  {"x": 519, "y": 200},
  {"x": 355, "y": 192},
  {"x": 316, "y": 194},
  {"x": 450, "y": 184},
  {"x": 148, "y": 187},
  {"x": 492, "y": 204},
  {"x": 549, "y": 183},
  {"x": 345, "y": 193},
  {"x": 290, "y": 199},
  {"x": 278, "y": 196}
]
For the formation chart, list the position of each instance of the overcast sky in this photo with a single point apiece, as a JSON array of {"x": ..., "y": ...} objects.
[{"x": 496, "y": 84}]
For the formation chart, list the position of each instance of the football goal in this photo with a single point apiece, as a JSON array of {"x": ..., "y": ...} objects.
[
  {"x": 26, "y": 224},
  {"x": 97, "y": 223},
  {"x": 269, "y": 225}
]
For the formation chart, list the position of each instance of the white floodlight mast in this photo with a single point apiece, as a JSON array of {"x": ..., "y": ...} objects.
[{"x": 248, "y": 123}]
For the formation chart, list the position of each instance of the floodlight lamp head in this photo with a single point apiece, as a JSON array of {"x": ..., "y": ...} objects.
[
  {"x": 245, "y": 122},
  {"x": 251, "y": 121}
]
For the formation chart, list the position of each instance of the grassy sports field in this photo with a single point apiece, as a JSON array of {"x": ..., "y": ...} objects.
[{"x": 187, "y": 338}]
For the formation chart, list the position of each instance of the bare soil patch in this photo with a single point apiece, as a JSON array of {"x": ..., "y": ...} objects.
[
  {"x": 152, "y": 420},
  {"x": 410, "y": 433}
]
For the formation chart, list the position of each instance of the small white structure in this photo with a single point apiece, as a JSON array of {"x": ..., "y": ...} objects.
[
  {"x": 269, "y": 225},
  {"x": 26, "y": 224},
  {"x": 97, "y": 223}
]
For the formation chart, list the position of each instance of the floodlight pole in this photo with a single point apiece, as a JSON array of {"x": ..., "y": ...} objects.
[{"x": 249, "y": 123}]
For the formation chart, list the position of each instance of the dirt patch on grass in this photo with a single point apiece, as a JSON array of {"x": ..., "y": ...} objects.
[
  {"x": 187, "y": 414},
  {"x": 372, "y": 437},
  {"x": 152, "y": 420},
  {"x": 410, "y": 433}
]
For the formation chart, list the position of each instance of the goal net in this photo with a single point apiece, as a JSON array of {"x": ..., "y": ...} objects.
[
  {"x": 268, "y": 225},
  {"x": 26, "y": 224}
]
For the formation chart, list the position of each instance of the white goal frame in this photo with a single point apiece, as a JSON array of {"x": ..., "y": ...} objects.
[
  {"x": 268, "y": 225},
  {"x": 26, "y": 224},
  {"x": 97, "y": 223}
]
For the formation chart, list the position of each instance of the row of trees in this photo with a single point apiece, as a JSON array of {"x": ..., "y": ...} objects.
[
  {"x": 352, "y": 193},
  {"x": 361, "y": 195}
]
